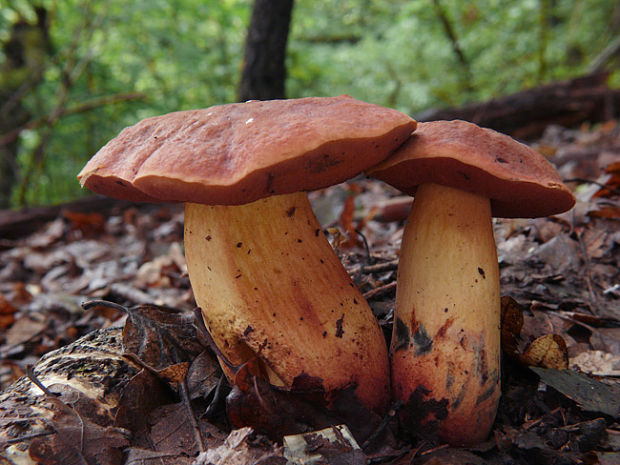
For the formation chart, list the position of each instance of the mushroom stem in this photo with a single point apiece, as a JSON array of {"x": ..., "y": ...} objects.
[
  {"x": 445, "y": 346},
  {"x": 271, "y": 287}
]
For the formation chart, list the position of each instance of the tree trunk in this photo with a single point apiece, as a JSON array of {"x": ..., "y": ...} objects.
[
  {"x": 264, "y": 71},
  {"x": 24, "y": 54}
]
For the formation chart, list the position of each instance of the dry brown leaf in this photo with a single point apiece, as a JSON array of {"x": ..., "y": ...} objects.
[
  {"x": 88, "y": 224},
  {"x": 512, "y": 322},
  {"x": 160, "y": 336},
  {"x": 7, "y": 313},
  {"x": 608, "y": 212},
  {"x": 77, "y": 439},
  {"x": 23, "y": 330},
  {"x": 547, "y": 351},
  {"x": 241, "y": 447},
  {"x": 174, "y": 374}
]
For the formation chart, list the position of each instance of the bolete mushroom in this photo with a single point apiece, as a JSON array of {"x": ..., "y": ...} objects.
[
  {"x": 269, "y": 284},
  {"x": 445, "y": 349}
]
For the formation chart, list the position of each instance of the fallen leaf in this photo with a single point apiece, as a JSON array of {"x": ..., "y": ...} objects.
[
  {"x": 590, "y": 394},
  {"x": 160, "y": 336},
  {"x": 87, "y": 224},
  {"x": 512, "y": 322},
  {"x": 548, "y": 351},
  {"x": 242, "y": 447},
  {"x": 333, "y": 446},
  {"x": 140, "y": 456},
  {"x": 7, "y": 313},
  {"x": 76, "y": 439},
  {"x": 23, "y": 330}
]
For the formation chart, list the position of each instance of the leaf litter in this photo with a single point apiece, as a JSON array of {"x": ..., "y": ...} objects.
[{"x": 131, "y": 380}]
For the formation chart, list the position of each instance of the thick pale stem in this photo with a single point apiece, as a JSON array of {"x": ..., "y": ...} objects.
[
  {"x": 446, "y": 341},
  {"x": 270, "y": 286}
]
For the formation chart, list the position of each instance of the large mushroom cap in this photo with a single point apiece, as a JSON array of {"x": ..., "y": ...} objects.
[
  {"x": 519, "y": 181},
  {"x": 238, "y": 153}
]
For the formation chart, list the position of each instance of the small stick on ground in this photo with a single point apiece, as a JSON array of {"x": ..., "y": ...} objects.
[
  {"x": 192, "y": 419},
  {"x": 381, "y": 267},
  {"x": 384, "y": 423},
  {"x": 380, "y": 290}
]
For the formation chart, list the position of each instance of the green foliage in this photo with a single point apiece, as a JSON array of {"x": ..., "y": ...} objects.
[{"x": 185, "y": 54}]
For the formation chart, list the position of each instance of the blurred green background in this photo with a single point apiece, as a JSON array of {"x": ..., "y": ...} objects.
[{"x": 88, "y": 68}]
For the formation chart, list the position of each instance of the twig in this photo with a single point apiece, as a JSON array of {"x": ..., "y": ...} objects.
[
  {"x": 217, "y": 395},
  {"x": 192, "y": 419},
  {"x": 458, "y": 51},
  {"x": 202, "y": 331},
  {"x": 588, "y": 276},
  {"x": 369, "y": 258},
  {"x": 384, "y": 423},
  {"x": 80, "y": 108},
  {"x": 380, "y": 267},
  {"x": 434, "y": 449},
  {"x": 28, "y": 437},
  {"x": 33, "y": 378},
  {"x": 134, "y": 358},
  {"x": 590, "y": 181},
  {"x": 598, "y": 63},
  {"x": 71, "y": 72},
  {"x": 380, "y": 290},
  {"x": 103, "y": 303}
]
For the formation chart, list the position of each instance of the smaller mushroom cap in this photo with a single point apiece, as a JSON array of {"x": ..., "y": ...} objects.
[
  {"x": 241, "y": 152},
  {"x": 520, "y": 182}
]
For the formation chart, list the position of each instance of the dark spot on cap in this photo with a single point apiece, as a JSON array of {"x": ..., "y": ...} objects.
[
  {"x": 248, "y": 330},
  {"x": 500, "y": 160},
  {"x": 239, "y": 244},
  {"x": 291, "y": 211},
  {"x": 208, "y": 238},
  {"x": 339, "y": 330},
  {"x": 481, "y": 271}
]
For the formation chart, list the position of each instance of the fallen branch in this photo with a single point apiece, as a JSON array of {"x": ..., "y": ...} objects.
[{"x": 526, "y": 114}]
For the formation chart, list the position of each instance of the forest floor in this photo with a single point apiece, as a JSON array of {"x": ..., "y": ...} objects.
[{"x": 146, "y": 388}]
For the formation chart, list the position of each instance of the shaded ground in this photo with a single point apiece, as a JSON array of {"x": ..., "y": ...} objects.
[{"x": 164, "y": 398}]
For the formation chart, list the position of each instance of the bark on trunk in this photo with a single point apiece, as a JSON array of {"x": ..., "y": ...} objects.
[{"x": 264, "y": 71}]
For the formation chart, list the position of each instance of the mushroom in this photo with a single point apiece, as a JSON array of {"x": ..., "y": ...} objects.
[
  {"x": 445, "y": 348},
  {"x": 268, "y": 282}
]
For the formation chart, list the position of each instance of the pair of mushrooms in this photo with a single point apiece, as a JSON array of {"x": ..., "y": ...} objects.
[{"x": 267, "y": 280}]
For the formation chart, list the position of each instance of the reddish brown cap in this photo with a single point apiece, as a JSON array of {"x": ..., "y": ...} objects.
[
  {"x": 519, "y": 181},
  {"x": 238, "y": 153}
]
